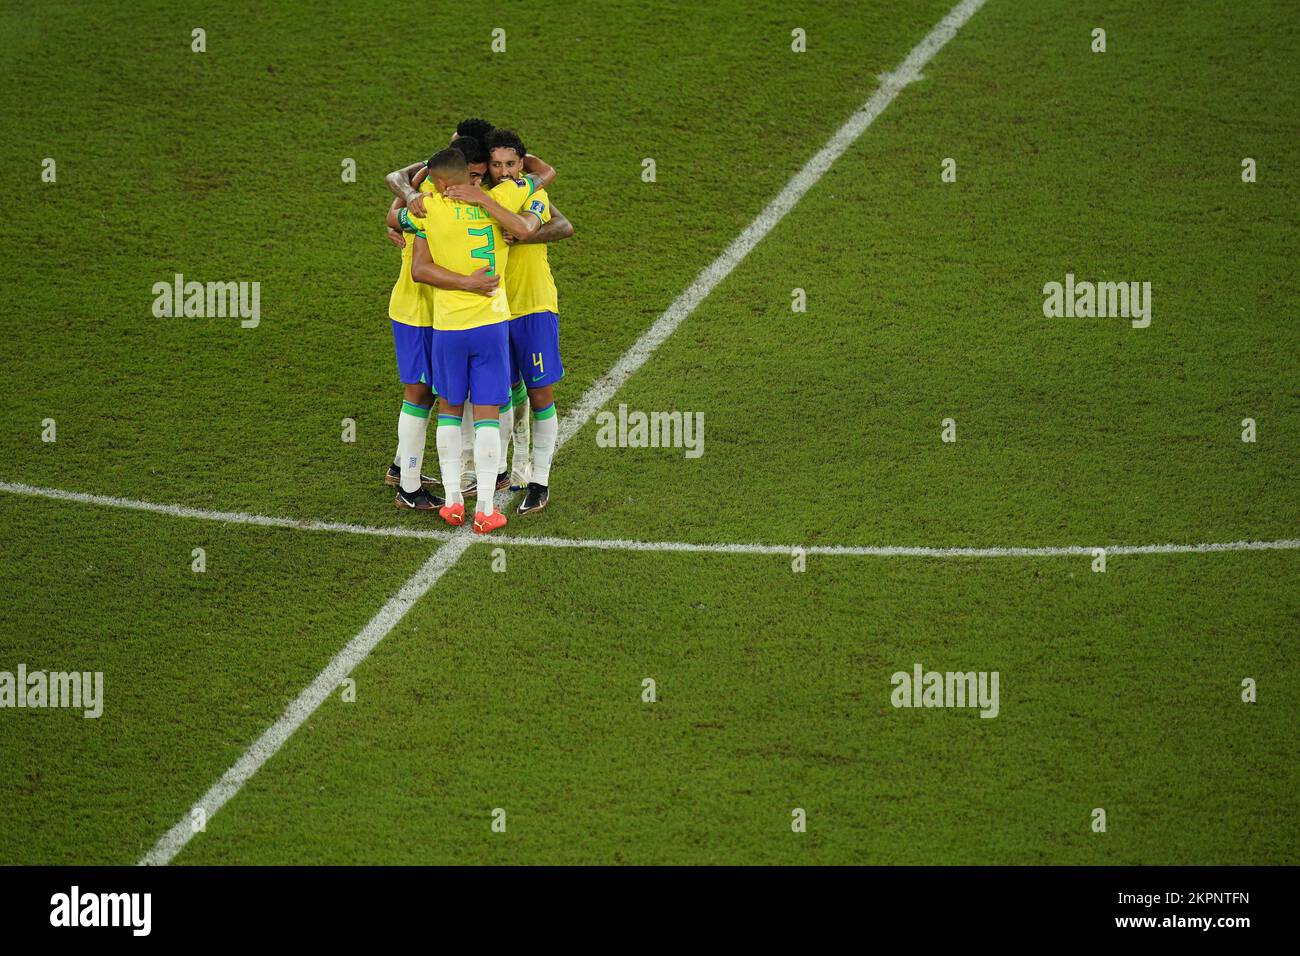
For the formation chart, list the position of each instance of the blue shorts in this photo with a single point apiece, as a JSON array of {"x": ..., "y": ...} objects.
[
  {"x": 414, "y": 345},
  {"x": 535, "y": 349},
  {"x": 473, "y": 361}
]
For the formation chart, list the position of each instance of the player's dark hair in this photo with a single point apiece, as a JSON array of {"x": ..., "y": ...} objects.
[
  {"x": 449, "y": 164},
  {"x": 473, "y": 148},
  {"x": 502, "y": 138},
  {"x": 480, "y": 129}
]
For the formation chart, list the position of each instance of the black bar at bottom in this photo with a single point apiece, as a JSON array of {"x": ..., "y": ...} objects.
[{"x": 335, "y": 905}]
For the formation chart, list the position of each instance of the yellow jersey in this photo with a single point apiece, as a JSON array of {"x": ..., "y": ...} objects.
[
  {"x": 529, "y": 285},
  {"x": 411, "y": 302},
  {"x": 463, "y": 238}
]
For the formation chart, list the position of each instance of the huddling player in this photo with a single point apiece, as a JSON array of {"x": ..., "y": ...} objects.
[
  {"x": 534, "y": 325},
  {"x": 410, "y": 308}
]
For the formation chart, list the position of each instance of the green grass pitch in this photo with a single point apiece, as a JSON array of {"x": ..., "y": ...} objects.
[{"x": 517, "y": 682}]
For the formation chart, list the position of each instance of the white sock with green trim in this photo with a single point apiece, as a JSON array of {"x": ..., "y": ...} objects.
[
  {"x": 546, "y": 426},
  {"x": 507, "y": 420},
  {"x": 412, "y": 426},
  {"x": 519, "y": 464},
  {"x": 487, "y": 445},
  {"x": 448, "y": 439},
  {"x": 467, "y": 447},
  {"x": 397, "y": 452}
]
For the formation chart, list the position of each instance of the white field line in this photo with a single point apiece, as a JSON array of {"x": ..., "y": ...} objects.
[
  {"x": 601, "y": 391},
  {"x": 304, "y": 705},
  {"x": 229, "y": 517},
  {"x": 909, "y": 71},
  {"x": 893, "y": 551},
  {"x": 623, "y": 544}
]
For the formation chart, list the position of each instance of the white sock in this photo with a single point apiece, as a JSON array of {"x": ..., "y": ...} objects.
[
  {"x": 397, "y": 454},
  {"x": 522, "y": 416},
  {"x": 467, "y": 447},
  {"x": 546, "y": 425},
  {"x": 487, "y": 445},
  {"x": 507, "y": 429},
  {"x": 448, "y": 438},
  {"x": 412, "y": 425}
]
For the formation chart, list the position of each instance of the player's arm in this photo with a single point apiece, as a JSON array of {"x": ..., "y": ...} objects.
[
  {"x": 394, "y": 233},
  {"x": 541, "y": 172},
  {"x": 405, "y": 185},
  {"x": 519, "y": 225},
  {"x": 553, "y": 231},
  {"x": 395, "y": 216},
  {"x": 424, "y": 269}
]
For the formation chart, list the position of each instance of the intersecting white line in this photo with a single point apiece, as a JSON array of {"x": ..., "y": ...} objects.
[
  {"x": 908, "y": 71},
  {"x": 454, "y": 544},
  {"x": 624, "y": 544}
]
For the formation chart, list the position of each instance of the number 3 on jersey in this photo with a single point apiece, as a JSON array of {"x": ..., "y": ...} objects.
[{"x": 485, "y": 251}]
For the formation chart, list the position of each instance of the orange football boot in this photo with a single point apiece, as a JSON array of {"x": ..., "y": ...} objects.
[{"x": 485, "y": 523}]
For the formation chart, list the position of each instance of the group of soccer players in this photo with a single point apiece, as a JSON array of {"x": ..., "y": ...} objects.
[{"x": 475, "y": 324}]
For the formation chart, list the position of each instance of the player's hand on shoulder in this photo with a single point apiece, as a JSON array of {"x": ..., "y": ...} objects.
[
  {"x": 467, "y": 193},
  {"x": 416, "y": 205}
]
